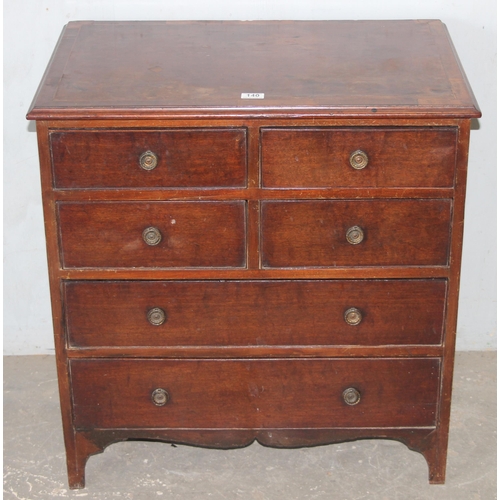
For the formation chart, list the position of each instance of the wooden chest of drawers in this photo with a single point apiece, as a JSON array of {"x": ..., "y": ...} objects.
[{"x": 254, "y": 231}]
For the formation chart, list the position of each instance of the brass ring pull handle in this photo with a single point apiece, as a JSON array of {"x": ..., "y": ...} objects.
[
  {"x": 353, "y": 316},
  {"x": 358, "y": 159},
  {"x": 160, "y": 397},
  {"x": 355, "y": 235},
  {"x": 151, "y": 236},
  {"x": 351, "y": 396},
  {"x": 148, "y": 160},
  {"x": 156, "y": 316}
]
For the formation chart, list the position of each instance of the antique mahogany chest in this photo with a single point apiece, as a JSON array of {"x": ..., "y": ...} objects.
[{"x": 254, "y": 231}]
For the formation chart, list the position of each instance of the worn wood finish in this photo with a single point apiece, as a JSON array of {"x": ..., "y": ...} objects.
[
  {"x": 186, "y": 158},
  {"x": 130, "y": 70},
  {"x": 204, "y": 120},
  {"x": 415, "y": 438},
  {"x": 208, "y": 313},
  {"x": 250, "y": 352},
  {"x": 74, "y": 451},
  {"x": 254, "y": 195},
  {"x": 255, "y": 275},
  {"x": 452, "y": 309},
  {"x": 255, "y": 394},
  {"x": 396, "y": 233},
  {"x": 193, "y": 234},
  {"x": 267, "y": 273},
  {"x": 418, "y": 439},
  {"x": 413, "y": 157}
]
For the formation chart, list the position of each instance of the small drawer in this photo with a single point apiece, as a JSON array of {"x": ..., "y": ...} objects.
[
  {"x": 254, "y": 394},
  {"x": 152, "y": 234},
  {"x": 184, "y": 158},
  {"x": 358, "y": 157},
  {"x": 355, "y": 233},
  {"x": 254, "y": 313}
]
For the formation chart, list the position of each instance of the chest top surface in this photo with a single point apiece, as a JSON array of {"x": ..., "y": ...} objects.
[{"x": 153, "y": 69}]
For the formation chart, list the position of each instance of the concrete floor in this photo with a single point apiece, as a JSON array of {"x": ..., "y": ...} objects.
[{"x": 34, "y": 458}]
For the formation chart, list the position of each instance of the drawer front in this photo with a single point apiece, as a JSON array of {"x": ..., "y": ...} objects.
[
  {"x": 381, "y": 232},
  {"x": 279, "y": 393},
  {"x": 254, "y": 313},
  {"x": 184, "y": 158},
  {"x": 404, "y": 157},
  {"x": 180, "y": 234}
]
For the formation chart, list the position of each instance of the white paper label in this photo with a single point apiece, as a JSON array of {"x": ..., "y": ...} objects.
[{"x": 251, "y": 95}]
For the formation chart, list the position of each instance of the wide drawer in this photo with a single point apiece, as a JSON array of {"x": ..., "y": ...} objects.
[
  {"x": 278, "y": 393},
  {"x": 254, "y": 313},
  {"x": 184, "y": 158},
  {"x": 321, "y": 157},
  {"x": 152, "y": 234},
  {"x": 330, "y": 233}
]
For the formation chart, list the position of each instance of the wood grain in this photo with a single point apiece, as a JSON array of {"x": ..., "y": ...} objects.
[
  {"x": 129, "y": 69},
  {"x": 402, "y": 157},
  {"x": 396, "y": 233},
  {"x": 194, "y": 234},
  {"x": 422, "y": 440},
  {"x": 254, "y": 313},
  {"x": 253, "y": 199},
  {"x": 255, "y": 394},
  {"x": 186, "y": 158}
]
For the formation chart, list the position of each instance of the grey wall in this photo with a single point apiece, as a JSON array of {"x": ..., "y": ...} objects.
[{"x": 31, "y": 30}]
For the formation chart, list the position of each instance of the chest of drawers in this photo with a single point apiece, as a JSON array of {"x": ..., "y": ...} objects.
[{"x": 254, "y": 232}]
